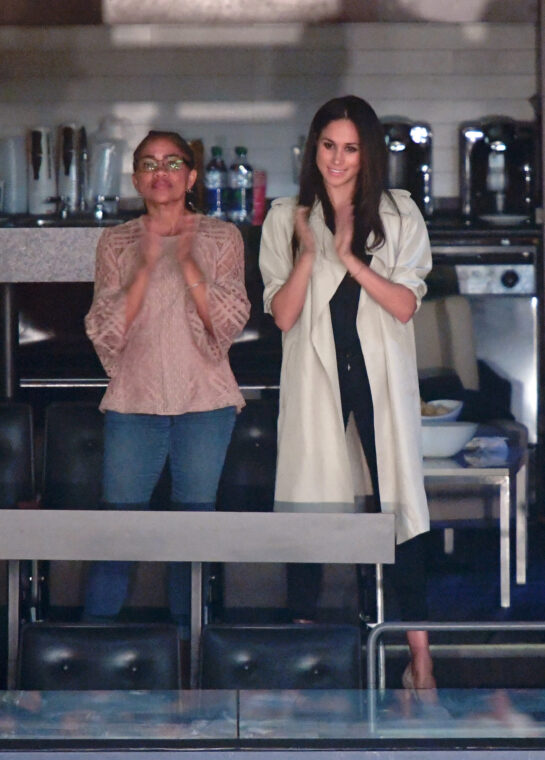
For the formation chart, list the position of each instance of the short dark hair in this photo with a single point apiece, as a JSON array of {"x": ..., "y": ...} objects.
[
  {"x": 371, "y": 181},
  {"x": 174, "y": 137}
]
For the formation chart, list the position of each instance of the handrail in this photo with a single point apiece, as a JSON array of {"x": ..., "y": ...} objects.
[{"x": 403, "y": 627}]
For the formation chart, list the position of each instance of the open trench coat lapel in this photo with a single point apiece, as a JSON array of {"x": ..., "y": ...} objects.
[{"x": 330, "y": 272}]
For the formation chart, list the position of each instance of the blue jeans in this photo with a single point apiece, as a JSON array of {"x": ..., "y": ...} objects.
[{"x": 136, "y": 447}]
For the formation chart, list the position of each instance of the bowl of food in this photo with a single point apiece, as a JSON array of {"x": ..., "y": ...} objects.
[
  {"x": 441, "y": 410},
  {"x": 445, "y": 439}
]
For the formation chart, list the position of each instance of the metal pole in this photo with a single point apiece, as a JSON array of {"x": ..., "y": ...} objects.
[
  {"x": 196, "y": 620},
  {"x": 9, "y": 341},
  {"x": 540, "y": 454},
  {"x": 380, "y": 619},
  {"x": 505, "y": 548},
  {"x": 13, "y": 620}
]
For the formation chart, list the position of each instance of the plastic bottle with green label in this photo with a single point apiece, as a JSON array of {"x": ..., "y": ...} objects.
[
  {"x": 215, "y": 182},
  {"x": 240, "y": 181}
]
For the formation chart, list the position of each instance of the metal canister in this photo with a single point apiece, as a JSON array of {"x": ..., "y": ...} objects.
[{"x": 42, "y": 185}]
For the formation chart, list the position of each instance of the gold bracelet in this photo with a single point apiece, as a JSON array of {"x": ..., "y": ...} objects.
[{"x": 194, "y": 284}]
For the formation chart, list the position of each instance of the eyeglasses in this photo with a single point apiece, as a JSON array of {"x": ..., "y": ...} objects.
[{"x": 168, "y": 164}]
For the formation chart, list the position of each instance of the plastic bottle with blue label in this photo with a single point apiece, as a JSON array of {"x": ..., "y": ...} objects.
[
  {"x": 240, "y": 188},
  {"x": 215, "y": 182}
]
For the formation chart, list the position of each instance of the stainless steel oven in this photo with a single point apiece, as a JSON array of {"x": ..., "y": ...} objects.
[{"x": 498, "y": 275}]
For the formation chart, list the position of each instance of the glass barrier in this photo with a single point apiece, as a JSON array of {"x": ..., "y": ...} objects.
[
  {"x": 231, "y": 719},
  {"x": 62, "y": 716},
  {"x": 393, "y": 714}
]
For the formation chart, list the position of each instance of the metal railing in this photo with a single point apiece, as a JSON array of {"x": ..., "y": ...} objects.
[
  {"x": 402, "y": 627},
  {"x": 373, "y": 650}
]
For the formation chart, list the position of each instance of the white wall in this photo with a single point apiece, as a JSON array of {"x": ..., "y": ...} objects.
[{"x": 260, "y": 85}]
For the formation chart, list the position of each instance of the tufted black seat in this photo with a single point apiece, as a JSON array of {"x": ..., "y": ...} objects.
[
  {"x": 73, "y": 449},
  {"x": 71, "y": 478},
  {"x": 280, "y": 657},
  {"x": 247, "y": 481},
  {"x": 16, "y": 454},
  {"x": 82, "y": 656}
]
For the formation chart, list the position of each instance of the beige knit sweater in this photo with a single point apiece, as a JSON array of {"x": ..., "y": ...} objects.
[{"x": 167, "y": 362}]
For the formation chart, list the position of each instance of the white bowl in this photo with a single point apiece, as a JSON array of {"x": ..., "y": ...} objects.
[
  {"x": 445, "y": 439},
  {"x": 443, "y": 410}
]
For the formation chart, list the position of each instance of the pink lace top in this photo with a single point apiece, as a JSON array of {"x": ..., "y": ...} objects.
[{"x": 167, "y": 362}]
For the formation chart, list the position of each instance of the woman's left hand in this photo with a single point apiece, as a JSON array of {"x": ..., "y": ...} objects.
[
  {"x": 187, "y": 231},
  {"x": 195, "y": 279},
  {"x": 396, "y": 299}
]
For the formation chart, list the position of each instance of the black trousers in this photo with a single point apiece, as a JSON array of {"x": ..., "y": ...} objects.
[{"x": 407, "y": 576}]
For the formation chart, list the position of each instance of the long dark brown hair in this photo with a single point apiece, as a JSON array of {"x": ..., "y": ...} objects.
[
  {"x": 183, "y": 146},
  {"x": 371, "y": 181}
]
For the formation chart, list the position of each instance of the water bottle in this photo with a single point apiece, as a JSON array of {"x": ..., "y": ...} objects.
[
  {"x": 215, "y": 182},
  {"x": 107, "y": 147},
  {"x": 240, "y": 188},
  {"x": 13, "y": 170}
]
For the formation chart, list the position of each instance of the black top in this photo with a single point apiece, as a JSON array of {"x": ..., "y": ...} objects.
[{"x": 344, "y": 308}]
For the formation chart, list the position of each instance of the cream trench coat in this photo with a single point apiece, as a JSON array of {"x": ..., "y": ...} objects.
[{"x": 321, "y": 467}]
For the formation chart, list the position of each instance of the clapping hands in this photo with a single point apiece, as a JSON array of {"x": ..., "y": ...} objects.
[
  {"x": 151, "y": 241},
  {"x": 187, "y": 231},
  {"x": 185, "y": 227},
  {"x": 303, "y": 232},
  {"x": 344, "y": 230}
]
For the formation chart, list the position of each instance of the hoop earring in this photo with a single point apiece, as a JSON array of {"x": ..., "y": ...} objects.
[{"x": 190, "y": 199}]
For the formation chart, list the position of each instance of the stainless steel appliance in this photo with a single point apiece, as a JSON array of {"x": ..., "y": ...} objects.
[
  {"x": 68, "y": 173},
  {"x": 42, "y": 183},
  {"x": 497, "y": 274},
  {"x": 72, "y": 169},
  {"x": 498, "y": 169},
  {"x": 83, "y": 169},
  {"x": 409, "y": 146}
]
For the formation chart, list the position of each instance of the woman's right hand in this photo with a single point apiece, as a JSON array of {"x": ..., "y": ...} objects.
[
  {"x": 287, "y": 304},
  {"x": 150, "y": 247},
  {"x": 303, "y": 232},
  {"x": 151, "y": 242}
]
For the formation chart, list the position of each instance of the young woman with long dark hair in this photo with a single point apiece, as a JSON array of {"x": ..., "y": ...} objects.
[{"x": 344, "y": 267}]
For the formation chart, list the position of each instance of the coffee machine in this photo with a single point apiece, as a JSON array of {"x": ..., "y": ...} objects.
[
  {"x": 498, "y": 167},
  {"x": 409, "y": 147}
]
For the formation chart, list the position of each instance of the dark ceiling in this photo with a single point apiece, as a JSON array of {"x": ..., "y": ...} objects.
[{"x": 63, "y": 12}]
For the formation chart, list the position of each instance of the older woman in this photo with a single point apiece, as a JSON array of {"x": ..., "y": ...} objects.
[{"x": 169, "y": 300}]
